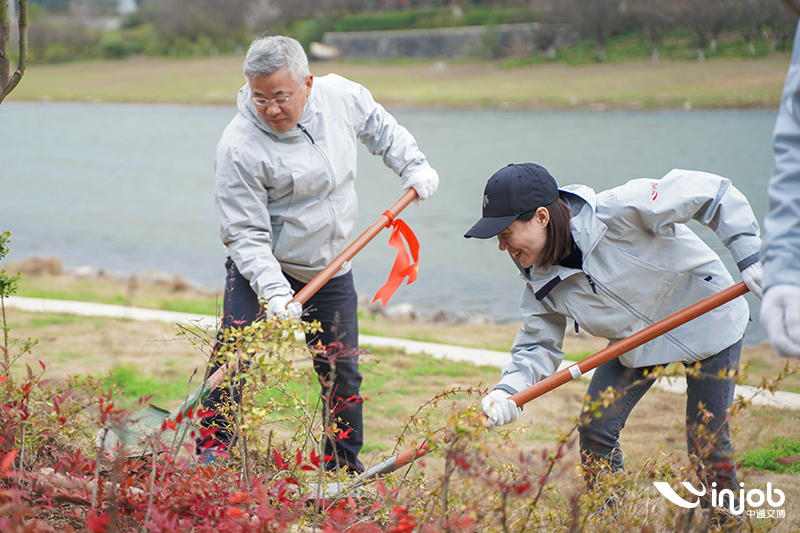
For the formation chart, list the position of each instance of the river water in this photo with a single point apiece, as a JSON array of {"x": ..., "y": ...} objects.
[{"x": 129, "y": 187}]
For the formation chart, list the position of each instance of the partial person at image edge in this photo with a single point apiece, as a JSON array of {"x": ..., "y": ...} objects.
[{"x": 780, "y": 310}]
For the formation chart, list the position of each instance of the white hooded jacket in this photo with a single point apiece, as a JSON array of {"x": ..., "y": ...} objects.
[
  {"x": 641, "y": 264},
  {"x": 286, "y": 200}
]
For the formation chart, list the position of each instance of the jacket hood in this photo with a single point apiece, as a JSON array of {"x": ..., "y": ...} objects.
[
  {"x": 585, "y": 226},
  {"x": 586, "y": 229},
  {"x": 248, "y": 110}
]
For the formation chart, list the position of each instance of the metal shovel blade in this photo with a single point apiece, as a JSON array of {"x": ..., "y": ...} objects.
[
  {"x": 139, "y": 433},
  {"x": 152, "y": 428}
]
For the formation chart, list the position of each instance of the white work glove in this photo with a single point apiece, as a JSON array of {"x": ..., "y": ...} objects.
[
  {"x": 425, "y": 182},
  {"x": 780, "y": 318},
  {"x": 499, "y": 408},
  {"x": 752, "y": 278},
  {"x": 279, "y": 306}
]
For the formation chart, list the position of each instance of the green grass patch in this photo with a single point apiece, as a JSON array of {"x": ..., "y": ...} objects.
[
  {"x": 429, "y": 366},
  {"x": 204, "y": 306},
  {"x": 502, "y": 346},
  {"x": 776, "y": 415},
  {"x": 136, "y": 386},
  {"x": 765, "y": 364},
  {"x": 82, "y": 292},
  {"x": 577, "y": 356},
  {"x": 45, "y": 320},
  {"x": 494, "y": 337},
  {"x": 106, "y": 291},
  {"x": 373, "y": 448},
  {"x": 393, "y": 363},
  {"x": 678, "y": 44},
  {"x": 767, "y": 458},
  {"x": 49, "y": 320},
  {"x": 527, "y": 82}
]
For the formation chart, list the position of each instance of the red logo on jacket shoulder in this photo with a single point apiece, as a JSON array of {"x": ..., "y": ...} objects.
[{"x": 654, "y": 191}]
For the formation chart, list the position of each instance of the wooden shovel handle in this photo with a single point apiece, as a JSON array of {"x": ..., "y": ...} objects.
[
  {"x": 327, "y": 273},
  {"x": 568, "y": 374},
  {"x": 323, "y": 277},
  {"x": 629, "y": 343}
]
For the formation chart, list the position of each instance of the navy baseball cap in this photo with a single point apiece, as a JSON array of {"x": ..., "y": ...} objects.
[{"x": 510, "y": 192}]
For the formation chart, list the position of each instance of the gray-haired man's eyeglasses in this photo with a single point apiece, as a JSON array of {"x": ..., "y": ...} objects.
[{"x": 277, "y": 101}]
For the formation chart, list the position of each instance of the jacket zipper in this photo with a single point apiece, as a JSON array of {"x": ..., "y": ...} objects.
[
  {"x": 304, "y": 130},
  {"x": 591, "y": 282},
  {"x": 596, "y": 284},
  {"x": 643, "y": 318},
  {"x": 333, "y": 187}
]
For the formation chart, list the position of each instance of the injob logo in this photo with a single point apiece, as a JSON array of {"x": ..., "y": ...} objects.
[{"x": 754, "y": 498}]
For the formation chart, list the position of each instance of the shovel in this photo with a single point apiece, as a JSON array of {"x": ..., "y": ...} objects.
[
  {"x": 136, "y": 433},
  {"x": 336, "y": 490}
]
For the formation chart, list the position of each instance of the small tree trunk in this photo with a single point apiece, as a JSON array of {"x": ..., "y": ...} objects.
[
  {"x": 5, "y": 35},
  {"x": 751, "y": 47},
  {"x": 655, "y": 39},
  {"x": 602, "y": 53},
  {"x": 10, "y": 82},
  {"x": 456, "y": 9},
  {"x": 701, "y": 54}
]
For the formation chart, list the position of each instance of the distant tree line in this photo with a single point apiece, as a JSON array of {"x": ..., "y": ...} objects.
[
  {"x": 63, "y": 29},
  {"x": 707, "y": 19}
]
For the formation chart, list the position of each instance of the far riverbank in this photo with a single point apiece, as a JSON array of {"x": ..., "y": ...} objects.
[{"x": 630, "y": 85}]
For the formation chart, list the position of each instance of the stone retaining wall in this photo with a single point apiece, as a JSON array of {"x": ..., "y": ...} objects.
[{"x": 503, "y": 40}]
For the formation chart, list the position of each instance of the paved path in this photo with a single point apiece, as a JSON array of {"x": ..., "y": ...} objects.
[{"x": 475, "y": 356}]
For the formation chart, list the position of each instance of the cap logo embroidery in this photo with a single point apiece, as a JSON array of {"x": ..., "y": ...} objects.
[{"x": 485, "y": 200}]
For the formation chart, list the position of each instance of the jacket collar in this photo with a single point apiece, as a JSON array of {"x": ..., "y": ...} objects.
[
  {"x": 248, "y": 110},
  {"x": 586, "y": 229}
]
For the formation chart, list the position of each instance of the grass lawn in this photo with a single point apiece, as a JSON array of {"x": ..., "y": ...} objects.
[
  {"x": 760, "y": 361},
  {"x": 634, "y": 84},
  {"x": 170, "y": 296}
]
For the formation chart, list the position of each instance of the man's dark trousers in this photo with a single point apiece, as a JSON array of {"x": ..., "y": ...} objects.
[{"x": 335, "y": 306}]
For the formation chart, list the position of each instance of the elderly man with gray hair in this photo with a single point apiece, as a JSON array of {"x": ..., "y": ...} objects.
[{"x": 286, "y": 201}]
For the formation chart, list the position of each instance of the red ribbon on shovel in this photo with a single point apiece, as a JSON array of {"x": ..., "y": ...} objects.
[{"x": 403, "y": 267}]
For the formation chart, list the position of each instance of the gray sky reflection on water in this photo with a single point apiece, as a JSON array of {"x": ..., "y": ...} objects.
[{"x": 130, "y": 187}]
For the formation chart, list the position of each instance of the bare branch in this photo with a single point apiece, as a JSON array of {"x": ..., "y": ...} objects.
[
  {"x": 794, "y": 4},
  {"x": 596, "y": 18}
]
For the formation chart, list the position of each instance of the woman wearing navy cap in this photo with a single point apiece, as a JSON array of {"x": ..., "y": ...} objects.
[{"x": 615, "y": 262}]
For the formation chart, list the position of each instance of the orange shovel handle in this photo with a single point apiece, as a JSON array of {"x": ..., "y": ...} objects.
[
  {"x": 568, "y": 374},
  {"x": 629, "y": 343},
  {"x": 327, "y": 273},
  {"x": 323, "y": 277}
]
